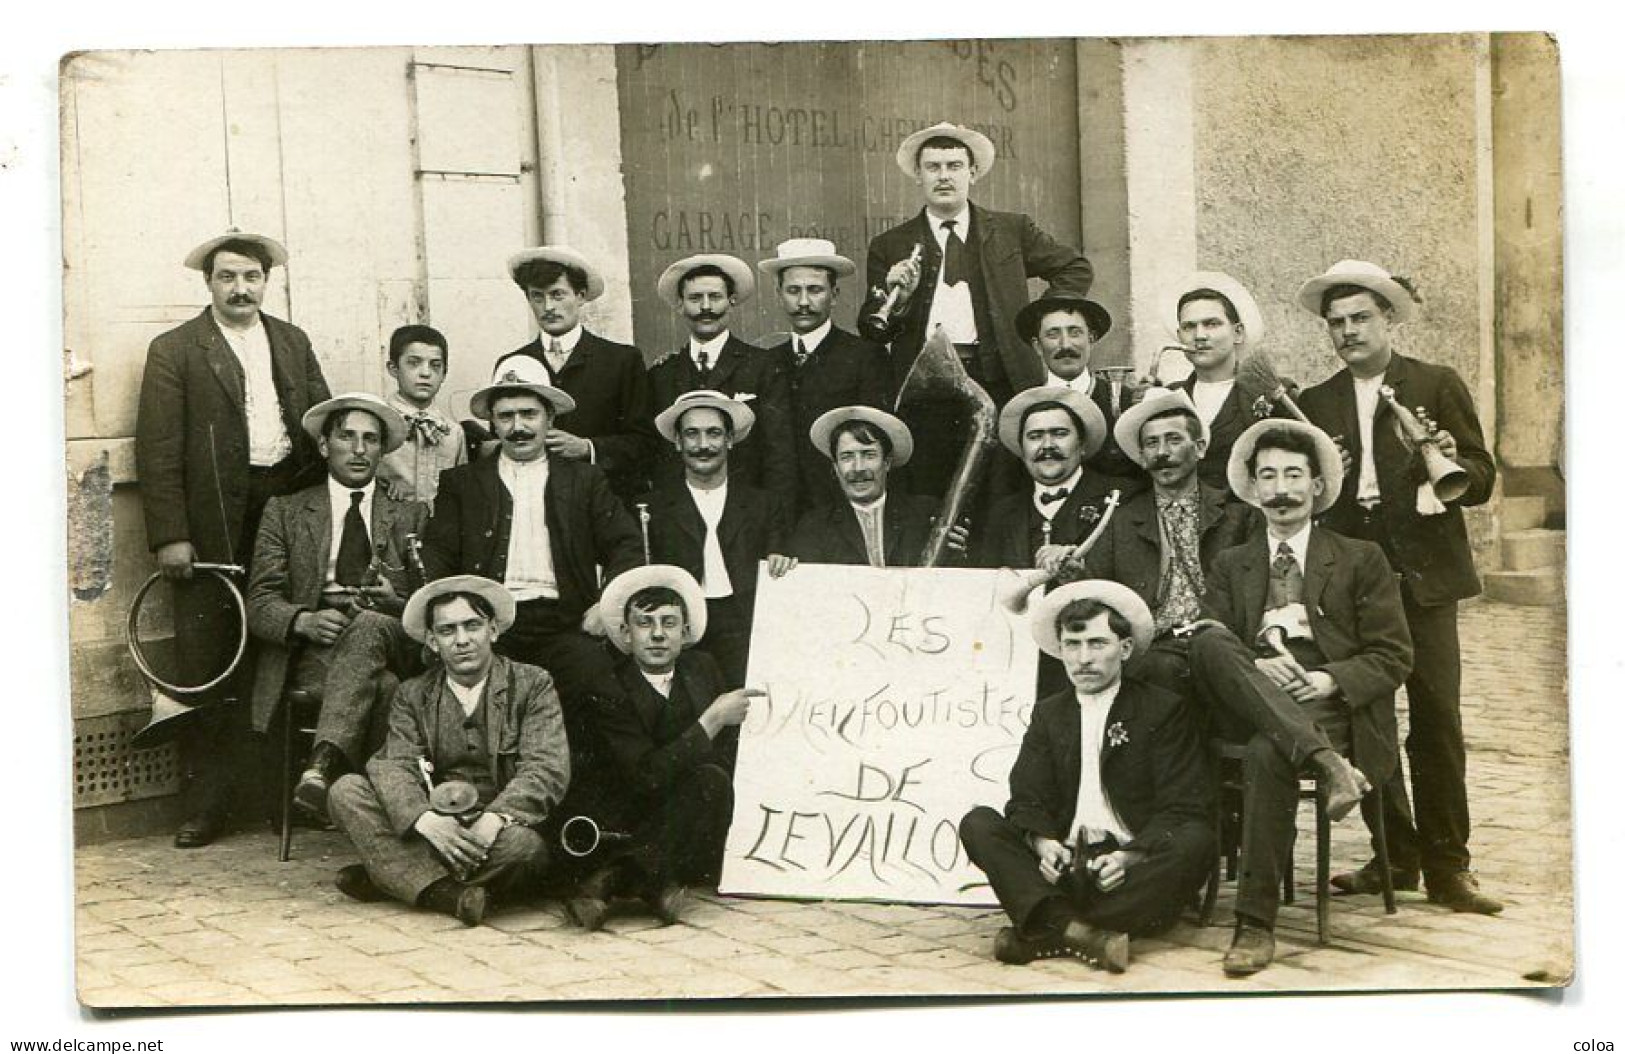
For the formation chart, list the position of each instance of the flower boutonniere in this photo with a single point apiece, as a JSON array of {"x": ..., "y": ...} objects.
[
  {"x": 1116, "y": 735},
  {"x": 1088, "y": 516}
]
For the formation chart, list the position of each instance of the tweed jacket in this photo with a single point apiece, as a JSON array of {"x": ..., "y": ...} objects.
[
  {"x": 1153, "y": 769},
  {"x": 1357, "y": 618},
  {"x": 191, "y": 433},
  {"x": 525, "y": 745},
  {"x": 290, "y": 568},
  {"x": 1431, "y": 552},
  {"x": 1130, "y": 552},
  {"x": 1006, "y": 249}
]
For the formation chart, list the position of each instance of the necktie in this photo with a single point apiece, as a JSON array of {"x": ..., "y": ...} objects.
[
  {"x": 955, "y": 265},
  {"x": 556, "y": 356},
  {"x": 1286, "y": 579},
  {"x": 705, "y": 364},
  {"x": 801, "y": 351},
  {"x": 1050, "y": 497},
  {"x": 428, "y": 431},
  {"x": 355, "y": 549},
  {"x": 1182, "y": 584}
]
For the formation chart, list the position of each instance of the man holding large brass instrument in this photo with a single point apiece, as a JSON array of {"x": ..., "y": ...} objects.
[
  {"x": 964, "y": 268},
  {"x": 1417, "y": 458},
  {"x": 332, "y": 570}
]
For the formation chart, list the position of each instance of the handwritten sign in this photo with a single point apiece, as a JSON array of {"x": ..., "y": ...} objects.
[{"x": 897, "y": 701}]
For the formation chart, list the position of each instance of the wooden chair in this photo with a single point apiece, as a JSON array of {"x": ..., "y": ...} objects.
[
  {"x": 1229, "y": 779},
  {"x": 300, "y": 709}
]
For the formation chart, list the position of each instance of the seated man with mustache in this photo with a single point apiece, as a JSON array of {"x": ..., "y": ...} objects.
[{"x": 870, "y": 526}]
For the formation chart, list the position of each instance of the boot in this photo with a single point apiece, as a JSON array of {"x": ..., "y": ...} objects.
[
  {"x": 462, "y": 902},
  {"x": 327, "y": 763}
]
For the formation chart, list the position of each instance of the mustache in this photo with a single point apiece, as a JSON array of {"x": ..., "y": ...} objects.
[
  {"x": 706, "y": 316},
  {"x": 1282, "y": 501},
  {"x": 519, "y": 435},
  {"x": 864, "y": 476},
  {"x": 1066, "y": 353},
  {"x": 1049, "y": 453},
  {"x": 706, "y": 452},
  {"x": 1161, "y": 461},
  {"x": 240, "y": 298}
]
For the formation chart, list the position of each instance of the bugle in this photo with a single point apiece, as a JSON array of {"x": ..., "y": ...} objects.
[
  {"x": 1449, "y": 479},
  {"x": 1015, "y": 591},
  {"x": 580, "y": 836},
  {"x": 880, "y": 317},
  {"x": 169, "y": 713}
]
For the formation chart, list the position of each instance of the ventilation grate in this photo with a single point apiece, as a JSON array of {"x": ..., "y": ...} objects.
[{"x": 107, "y": 770}]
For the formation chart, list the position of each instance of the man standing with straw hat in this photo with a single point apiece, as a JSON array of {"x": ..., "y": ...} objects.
[{"x": 1217, "y": 321}]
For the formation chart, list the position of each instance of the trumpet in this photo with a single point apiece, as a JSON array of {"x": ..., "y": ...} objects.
[
  {"x": 1449, "y": 479},
  {"x": 581, "y": 836},
  {"x": 643, "y": 525},
  {"x": 1015, "y": 592},
  {"x": 880, "y": 317}
]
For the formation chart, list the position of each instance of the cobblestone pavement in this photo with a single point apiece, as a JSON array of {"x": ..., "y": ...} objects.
[{"x": 231, "y": 926}]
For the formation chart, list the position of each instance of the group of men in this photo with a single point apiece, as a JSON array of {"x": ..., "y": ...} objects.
[{"x": 1268, "y": 581}]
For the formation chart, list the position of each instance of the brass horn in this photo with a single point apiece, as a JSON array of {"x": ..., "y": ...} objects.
[
  {"x": 581, "y": 836},
  {"x": 1015, "y": 592},
  {"x": 169, "y": 713},
  {"x": 1448, "y": 478},
  {"x": 880, "y": 317},
  {"x": 936, "y": 373}
]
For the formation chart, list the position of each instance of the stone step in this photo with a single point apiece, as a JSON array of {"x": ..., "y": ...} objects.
[
  {"x": 1538, "y": 588},
  {"x": 1523, "y": 513},
  {"x": 1532, "y": 549}
]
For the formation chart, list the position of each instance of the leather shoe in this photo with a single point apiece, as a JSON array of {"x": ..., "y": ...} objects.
[
  {"x": 354, "y": 882},
  {"x": 197, "y": 832},
  {"x": 1252, "y": 949},
  {"x": 668, "y": 902},
  {"x": 1369, "y": 880},
  {"x": 589, "y": 906},
  {"x": 465, "y": 903},
  {"x": 1106, "y": 949},
  {"x": 1344, "y": 784},
  {"x": 310, "y": 794},
  {"x": 1012, "y": 948},
  {"x": 1458, "y": 891}
]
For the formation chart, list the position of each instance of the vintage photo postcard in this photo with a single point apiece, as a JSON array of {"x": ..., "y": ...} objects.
[{"x": 764, "y": 521}]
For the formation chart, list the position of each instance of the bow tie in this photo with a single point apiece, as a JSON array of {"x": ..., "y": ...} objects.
[
  {"x": 428, "y": 429},
  {"x": 1050, "y": 497}
]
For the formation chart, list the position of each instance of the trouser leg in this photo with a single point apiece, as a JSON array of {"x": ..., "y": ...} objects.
[
  {"x": 727, "y": 638},
  {"x": 690, "y": 828},
  {"x": 353, "y": 703},
  {"x": 1222, "y": 668},
  {"x": 1435, "y": 745},
  {"x": 401, "y": 867},
  {"x": 1268, "y": 825},
  {"x": 1155, "y": 891},
  {"x": 1000, "y": 849},
  {"x": 517, "y": 862}
]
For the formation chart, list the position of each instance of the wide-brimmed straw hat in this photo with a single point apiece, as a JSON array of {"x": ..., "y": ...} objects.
[
  {"x": 902, "y": 440},
  {"x": 980, "y": 146},
  {"x": 195, "y": 258},
  {"x": 394, "y": 425},
  {"x": 1118, "y": 597},
  {"x": 520, "y": 373},
  {"x": 1219, "y": 282},
  {"x": 807, "y": 252},
  {"x": 1155, "y": 401},
  {"x": 671, "y": 278},
  {"x": 1366, "y": 276},
  {"x": 612, "y": 605},
  {"x": 1329, "y": 460},
  {"x": 668, "y": 420},
  {"x": 560, "y": 254},
  {"x": 1094, "y": 422},
  {"x": 415, "y": 618}
]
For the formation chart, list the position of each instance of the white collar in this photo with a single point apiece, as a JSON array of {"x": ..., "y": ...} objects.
[
  {"x": 660, "y": 682},
  {"x": 1298, "y": 543},
  {"x": 506, "y": 464},
  {"x": 409, "y": 409},
  {"x": 812, "y": 341},
  {"x": 718, "y": 494},
  {"x": 338, "y": 495},
  {"x": 1070, "y": 483},
  {"x": 1102, "y": 699},
  {"x": 1083, "y": 382},
  {"x": 712, "y": 347},
  {"x": 961, "y": 222},
  {"x": 227, "y": 329},
  {"x": 468, "y": 698},
  {"x": 567, "y": 341},
  {"x": 878, "y": 505}
]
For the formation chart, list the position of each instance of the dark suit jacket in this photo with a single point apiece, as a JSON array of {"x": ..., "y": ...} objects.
[
  {"x": 587, "y": 525},
  {"x": 767, "y": 458},
  {"x": 1156, "y": 778},
  {"x": 1130, "y": 551},
  {"x": 846, "y": 370},
  {"x": 1006, "y": 249},
  {"x": 1233, "y": 419},
  {"x": 192, "y": 400},
  {"x": 1355, "y": 614},
  {"x": 656, "y": 742},
  {"x": 831, "y": 535},
  {"x": 290, "y": 567},
  {"x": 1432, "y": 552},
  {"x": 1014, "y": 531},
  {"x": 610, "y": 385},
  {"x": 525, "y": 745},
  {"x": 753, "y": 526}
]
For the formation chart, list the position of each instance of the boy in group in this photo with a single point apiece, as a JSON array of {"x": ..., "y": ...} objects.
[
  {"x": 418, "y": 359},
  {"x": 673, "y": 734}
]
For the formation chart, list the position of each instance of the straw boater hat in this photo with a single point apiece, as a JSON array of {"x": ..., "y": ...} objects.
[
  {"x": 1120, "y": 598},
  {"x": 1094, "y": 422},
  {"x": 195, "y": 258},
  {"x": 668, "y": 420},
  {"x": 902, "y": 440},
  {"x": 612, "y": 606},
  {"x": 1366, "y": 276},
  {"x": 980, "y": 146},
  {"x": 1155, "y": 401},
  {"x": 559, "y": 254},
  {"x": 807, "y": 252},
  {"x": 732, "y": 266},
  {"x": 415, "y": 619},
  {"x": 1232, "y": 290},
  {"x": 395, "y": 427},
  {"x": 1329, "y": 461},
  {"x": 524, "y": 373},
  {"x": 1095, "y": 316}
]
